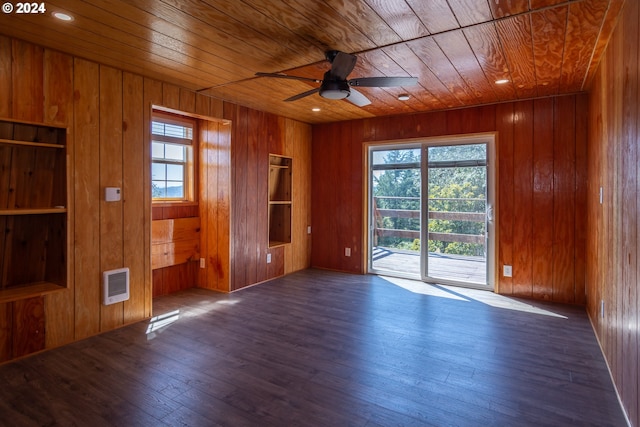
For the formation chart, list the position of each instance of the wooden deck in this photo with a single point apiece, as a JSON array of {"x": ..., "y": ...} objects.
[
  {"x": 320, "y": 348},
  {"x": 452, "y": 267}
]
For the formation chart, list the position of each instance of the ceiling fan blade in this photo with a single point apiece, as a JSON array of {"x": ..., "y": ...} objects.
[
  {"x": 303, "y": 94},
  {"x": 357, "y": 98},
  {"x": 342, "y": 64},
  {"x": 383, "y": 81},
  {"x": 284, "y": 76}
]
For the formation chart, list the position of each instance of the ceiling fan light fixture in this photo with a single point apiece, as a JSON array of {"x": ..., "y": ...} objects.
[
  {"x": 502, "y": 81},
  {"x": 334, "y": 94},
  {"x": 315, "y": 109},
  {"x": 403, "y": 97},
  {"x": 334, "y": 89}
]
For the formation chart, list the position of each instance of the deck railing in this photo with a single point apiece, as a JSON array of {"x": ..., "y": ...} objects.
[{"x": 381, "y": 231}]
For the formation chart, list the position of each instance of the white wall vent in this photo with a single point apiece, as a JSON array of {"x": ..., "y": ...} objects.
[{"x": 115, "y": 286}]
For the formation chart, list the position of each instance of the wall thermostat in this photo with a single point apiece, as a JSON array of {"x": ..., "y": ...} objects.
[{"x": 112, "y": 194}]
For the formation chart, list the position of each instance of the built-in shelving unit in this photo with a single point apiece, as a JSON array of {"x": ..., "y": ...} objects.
[
  {"x": 279, "y": 200},
  {"x": 33, "y": 209}
]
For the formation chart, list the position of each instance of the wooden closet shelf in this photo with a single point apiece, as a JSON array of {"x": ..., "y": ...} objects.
[
  {"x": 28, "y": 291},
  {"x": 32, "y": 211},
  {"x": 29, "y": 143}
]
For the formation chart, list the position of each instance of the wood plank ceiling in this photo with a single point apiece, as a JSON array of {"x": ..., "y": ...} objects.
[{"x": 456, "y": 48}]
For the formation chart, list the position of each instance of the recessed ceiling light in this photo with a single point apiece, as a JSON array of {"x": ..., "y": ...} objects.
[
  {"x": 403, "y": 97},
  {"x": 316, "y": 109},
  {"x": 502, "y": 81},
  {"x": 62, "y": 16}
]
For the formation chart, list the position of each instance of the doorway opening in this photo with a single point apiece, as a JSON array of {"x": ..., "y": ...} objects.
[{"x": 430, "y": 210}]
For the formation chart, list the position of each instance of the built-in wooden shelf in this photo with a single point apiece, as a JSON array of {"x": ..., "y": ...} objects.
[
  {"x": 33, "y": 221},
  {"x": 29, "y": 211},
  {"x": 274, "y": 243},
  {"x": 28, "y": 290},
  {"x": 31, "y": 144},
  {"x": 279, "y": 200}
]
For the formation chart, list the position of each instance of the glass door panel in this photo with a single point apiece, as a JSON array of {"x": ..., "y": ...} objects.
[
  {"x": 395, "y": 190},
  {"x": 455, "y": 214}
]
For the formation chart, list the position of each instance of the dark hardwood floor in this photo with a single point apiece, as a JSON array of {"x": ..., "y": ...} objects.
[{"x": 320, "y": 348}]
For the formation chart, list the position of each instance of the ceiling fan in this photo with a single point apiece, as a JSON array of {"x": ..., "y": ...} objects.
[{"x": 334, "y": 84}]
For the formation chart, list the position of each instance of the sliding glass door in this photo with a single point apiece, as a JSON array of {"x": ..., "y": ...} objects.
[{"x": 430, "y": 211}]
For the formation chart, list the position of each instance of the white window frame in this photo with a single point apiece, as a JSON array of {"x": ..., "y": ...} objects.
[{"x": 188, "y": 163}]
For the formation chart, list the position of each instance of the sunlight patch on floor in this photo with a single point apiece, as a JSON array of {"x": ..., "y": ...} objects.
[
  {"x": 418, "y": 287},
  {"x": 157, "y": 323},
  {"x": 160, "y": 322},
  {"x": 467, "y": 294}
]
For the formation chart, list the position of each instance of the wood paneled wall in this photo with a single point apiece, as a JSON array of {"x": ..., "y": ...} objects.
[
  {"x": 102, "y": 109},
  {"x": 613, "y": 242},
  {"x": 107, "y": 113},
  {"x": 256, "y": 135},
  {"x": 541, "y": 174},
  {"x": 215, "y": 204},
  {"x": 174, "y": 278}
]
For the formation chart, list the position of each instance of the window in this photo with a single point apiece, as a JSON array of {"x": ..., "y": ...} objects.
[{"x": 172, "y": 141}]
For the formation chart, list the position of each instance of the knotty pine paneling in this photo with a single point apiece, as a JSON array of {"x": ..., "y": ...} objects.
[
  {"x": 86, "y": 131},
  {"x": 215, "y": 146},
  {"x": 152, "y": 95},
  {"x": 505, "y": 157},
  {"x": 6, "y": 83},
  {"x": 543, "y": 198},
  {"x": 171, "y": 212},
  {"x": 111, "y": 161},
  {"x": 107, "y": 112},
  {"x": 58, "y": 109},
  {"x": 331, "y": 192},
  {"x": 544, "y": 130},
  {"x": 135, "y": 226},
  {"x": 564, "y": 197},
  {"x": 298, "y": 146},
  {"x": 249, "y": 165},
  {"x": 27, "y": 83},
  {"x": 612, "y": 267},
  {"x": 240, "y": 250},
  {"x": 521, "y": 193},
  {"x": 103, "y": 111},
  {"x": 28, "y": 326},
  {"x": 6, "y": 331},
  {"x": 255, "y": 200},
  {"x": 174, "y": 278}
]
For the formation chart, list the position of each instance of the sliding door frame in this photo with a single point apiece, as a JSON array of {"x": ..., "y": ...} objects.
[{"x": 488, "y": 138}]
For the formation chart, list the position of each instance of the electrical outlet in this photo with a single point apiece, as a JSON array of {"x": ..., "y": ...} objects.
[
  {"x": 507, "y": 271},
  {"x": 268, "y": 258},
  {"x": 347, "y": 251},
  {"x": 202, "y": 264},
  {"x": 308, "y": 229}
]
